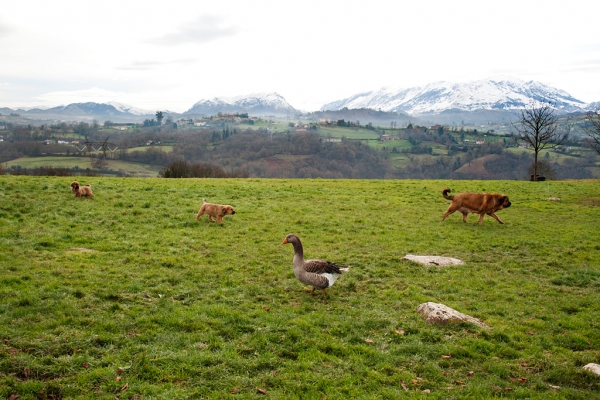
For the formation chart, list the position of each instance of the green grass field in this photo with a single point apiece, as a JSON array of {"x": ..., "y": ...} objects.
[
  {"x": 166, "y": 149},
  {"x": 130, "y": 168},
  {"x": 350, "y": 133},
  {"x": 128, "y": 296}
]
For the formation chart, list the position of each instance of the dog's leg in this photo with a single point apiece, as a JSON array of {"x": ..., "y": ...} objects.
[
  {"x": 447, "y": 213},
  {"x": 465, "y": 215},
  {"x": 493, "y": 215},
  {"x": 481, "y": 218},
  {"x": 210, "y": 218}
]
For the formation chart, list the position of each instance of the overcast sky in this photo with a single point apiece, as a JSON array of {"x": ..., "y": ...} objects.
[{"x": 168, "y": 55}]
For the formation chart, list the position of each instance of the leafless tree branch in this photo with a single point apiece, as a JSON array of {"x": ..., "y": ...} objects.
[
  {"x": 538, "y": 127},
  {"x": 592, "y": 129}
]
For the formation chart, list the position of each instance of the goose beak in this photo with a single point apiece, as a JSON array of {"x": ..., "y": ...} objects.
[{"x": 284, "y": 241}]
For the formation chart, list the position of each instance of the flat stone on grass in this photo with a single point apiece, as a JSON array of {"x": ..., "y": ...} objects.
[
  {"x": 438, "y": 261},
  {"x": 441, "y": 314}
]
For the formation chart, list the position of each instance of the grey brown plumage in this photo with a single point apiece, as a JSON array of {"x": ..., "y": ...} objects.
[{"x": 319, "y": 274}]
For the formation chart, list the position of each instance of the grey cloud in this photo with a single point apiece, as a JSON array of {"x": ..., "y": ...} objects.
[
  {"x": 5, "y": 30},
  {"x": 583, "y": 66},
  {"x": 204, "y": 29},
  {"x": 146, "y": 65}
]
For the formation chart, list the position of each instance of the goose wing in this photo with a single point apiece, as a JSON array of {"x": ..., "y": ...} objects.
[{"x": 321, "y": 267}]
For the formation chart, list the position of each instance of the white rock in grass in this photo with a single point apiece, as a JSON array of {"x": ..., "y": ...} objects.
[
  {"x": 593, "y": 368},
  {"x": 434, "y": 260},
  {"x": 441, "y": 314}
]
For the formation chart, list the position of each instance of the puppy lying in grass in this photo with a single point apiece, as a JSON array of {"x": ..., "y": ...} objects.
[
  {"x": 214, "y": 210},
  {"x": 81, "y": 191}
]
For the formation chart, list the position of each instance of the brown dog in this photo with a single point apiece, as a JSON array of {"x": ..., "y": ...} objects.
[
  {"x": 81, "y": 191},
  {"x": 214, "y": 210},
  {"x": 476, "y": 203}
]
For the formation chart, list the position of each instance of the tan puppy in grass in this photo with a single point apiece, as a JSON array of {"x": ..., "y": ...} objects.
[
  {"x": 476, "y": 203},
  {"x": 214, "y": 211},
  {"x": 81, "y": 191}
]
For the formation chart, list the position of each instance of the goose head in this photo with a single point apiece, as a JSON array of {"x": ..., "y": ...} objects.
[{"x": 291, "y": 238}]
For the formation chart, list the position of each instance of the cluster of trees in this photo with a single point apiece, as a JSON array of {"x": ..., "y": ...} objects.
[
  {"x": 184, "y": 169},
  {"x": 258, "y": 153}
]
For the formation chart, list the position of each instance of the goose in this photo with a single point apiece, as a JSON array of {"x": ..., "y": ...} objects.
[{"x": 319, "y": 274}]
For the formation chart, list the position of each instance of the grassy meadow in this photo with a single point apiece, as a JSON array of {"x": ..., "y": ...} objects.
[
  {"x": 128, "y": 296},
  {"x": 131, "y": 168}
]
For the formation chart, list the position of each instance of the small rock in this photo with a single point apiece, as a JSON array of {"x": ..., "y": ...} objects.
[
  {"x": 553, "y": 198},
  {"x": 593, "y": 368},
  {"x": 441, "y": 314}
]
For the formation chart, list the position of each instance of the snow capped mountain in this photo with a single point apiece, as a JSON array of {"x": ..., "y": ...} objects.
[
  {"x": 486, "y": 94},
  {"x": 126, "y": 108},
  {"x": 256, "y": 103},
  {"x": 595, "y": 106}
]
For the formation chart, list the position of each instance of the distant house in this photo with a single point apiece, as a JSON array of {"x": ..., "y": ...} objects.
[
  {"x": 385, "y": 137},
  {"x": 479, "y": 142},
  {"x": 300, "y": 130},
  {"x": 75, "y": 142},
  {"x": 331, "y": 140},
  {"x": 48, "y": 141},
  {"x": 120, "y": 128}
]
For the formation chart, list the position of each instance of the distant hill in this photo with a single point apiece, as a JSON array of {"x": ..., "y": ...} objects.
[
  {"x": 366, "y": 115},
  {"x": 83, "y": 112}
]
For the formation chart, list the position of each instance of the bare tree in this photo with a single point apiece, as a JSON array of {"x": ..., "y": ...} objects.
[
  {"x": 592, "y": 129},
  {"x": 538, "y": 127}
]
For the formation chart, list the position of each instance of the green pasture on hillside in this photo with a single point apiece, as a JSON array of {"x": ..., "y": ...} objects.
[
  {"x": 127, "y": 296},
  {"x": 166, "y": 149},
  {"x": 130, "y": 168}
]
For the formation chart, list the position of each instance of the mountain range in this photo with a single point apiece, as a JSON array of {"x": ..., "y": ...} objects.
[
  {"x": 487, "y": 94},
  {"x": 440, "y": 102}
]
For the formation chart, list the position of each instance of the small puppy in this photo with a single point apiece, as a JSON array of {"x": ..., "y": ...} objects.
[
  {"x": 476, "y": 203},
  {"x": 81, "y": 191},
  {"x": 214, "y": 210}
]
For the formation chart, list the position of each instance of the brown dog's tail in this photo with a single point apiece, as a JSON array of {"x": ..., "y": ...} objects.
[{"x": 445, "y": 194}]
